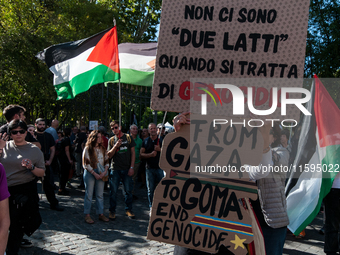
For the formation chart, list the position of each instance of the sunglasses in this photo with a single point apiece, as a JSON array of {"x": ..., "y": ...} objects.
[
  {"x": 114, "y": 128},
  {"x": 14, "y": 132}
]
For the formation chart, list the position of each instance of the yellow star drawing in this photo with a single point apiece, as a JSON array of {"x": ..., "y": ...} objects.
[{"x": 238, "y": 242}]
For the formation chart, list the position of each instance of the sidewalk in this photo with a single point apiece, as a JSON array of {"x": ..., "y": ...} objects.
[
  {"x": 312, "y": 243},
  {"x": 67, "y": 233}
]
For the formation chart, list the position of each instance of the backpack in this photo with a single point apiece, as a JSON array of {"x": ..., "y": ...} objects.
[{"x": 114, "y": 140}]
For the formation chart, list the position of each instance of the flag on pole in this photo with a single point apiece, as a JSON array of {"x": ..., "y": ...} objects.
[
  {"x": 137, "y": 63},
  {"x": 317, "y": 157},
  {"x": 81, "y": 64}
]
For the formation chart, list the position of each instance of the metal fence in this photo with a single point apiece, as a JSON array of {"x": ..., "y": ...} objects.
[{"x": 100, "y": 103}]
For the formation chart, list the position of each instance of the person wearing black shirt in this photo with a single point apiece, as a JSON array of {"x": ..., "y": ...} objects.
[
  {"x": 48, "y": 148},
  {"x": 80, "y": 138},
  {"x": 65, "y": 161},
  {"x": 121, "y": 149},
  {"x": 151, "y": 150},
  {"x": 80, "y": 143}
]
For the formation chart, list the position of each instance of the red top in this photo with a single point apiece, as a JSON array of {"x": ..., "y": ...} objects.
[{"x": 105, "y": 142}]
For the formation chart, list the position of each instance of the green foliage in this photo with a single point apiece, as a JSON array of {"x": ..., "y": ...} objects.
[
  {"x": 139, "y": 18},
  {"x": 29, "y": 26},
  {"x": 148, "y": 117},
  {"x": 323, "y": 43}
]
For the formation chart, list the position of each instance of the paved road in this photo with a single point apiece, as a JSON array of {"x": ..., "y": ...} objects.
[{"x": 67, "y": 233}]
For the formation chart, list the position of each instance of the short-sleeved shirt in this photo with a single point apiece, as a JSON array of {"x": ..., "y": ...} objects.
[
  {"x": 46, "y": 141},
  {"x": 149, "y": 146},
  {"x": 3, "y": 184},
  {"x": 121, "y": 160},
  {"x": 138, "y": 146},
  {"x": 53, "y": 132},
  {"x": 64, "y": 143},
  {"x": 28, "y": 138},
  {"x": 11, "y": 158}
]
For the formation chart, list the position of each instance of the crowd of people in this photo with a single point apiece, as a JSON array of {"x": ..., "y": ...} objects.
[{"x": 32, "y": 152}]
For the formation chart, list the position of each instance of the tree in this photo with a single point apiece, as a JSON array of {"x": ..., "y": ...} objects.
[
  {"x": 29, "y": 26},
  {"x": 139, "y": 18},
  {"x": 323, "y": 44}
]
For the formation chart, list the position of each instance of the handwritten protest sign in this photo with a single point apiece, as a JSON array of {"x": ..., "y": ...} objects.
[
  {"x": 256, "y": 46},
  {"x": 201, "y": 209},
  {"x": 234, "y": 39}
]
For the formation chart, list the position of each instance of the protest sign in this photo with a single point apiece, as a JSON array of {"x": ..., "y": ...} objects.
[
  {"x": 93, "y": 125},
  {"x": 234, "y": 39},
  {"x": 199, "y": 209}
]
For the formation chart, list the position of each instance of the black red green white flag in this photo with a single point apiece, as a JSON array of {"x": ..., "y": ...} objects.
[
  {"x": 81, "y": 64},
  {"x": 137, "y": 63},
  {"x": 316, "y": 159}
]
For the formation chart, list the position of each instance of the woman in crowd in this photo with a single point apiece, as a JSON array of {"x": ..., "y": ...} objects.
[
  {"x": 65, "y": 160},
  {"x": 94, "y": 154},
  {"x": 23, "y": 163},
  {"x": 31, "y": 129}
]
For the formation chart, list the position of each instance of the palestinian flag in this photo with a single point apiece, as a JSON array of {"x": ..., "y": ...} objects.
[
  {"x": 81, "y": 64},
  {"x": 137, "y": 63},
  {"x": 316, "y": 158}
]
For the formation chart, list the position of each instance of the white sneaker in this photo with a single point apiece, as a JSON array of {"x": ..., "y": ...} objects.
[{"x": 150, "y": 212}]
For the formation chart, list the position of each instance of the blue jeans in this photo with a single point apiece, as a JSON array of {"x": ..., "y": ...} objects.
[
  {"x": 115, "y": 177},
  {"x": 92, "y": 184},
  {"x": 153, "y": 177},
  {"x": 274, "y": 239}
]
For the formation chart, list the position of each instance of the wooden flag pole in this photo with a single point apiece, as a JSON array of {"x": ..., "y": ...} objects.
[{"x": 119, "y": 95}]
